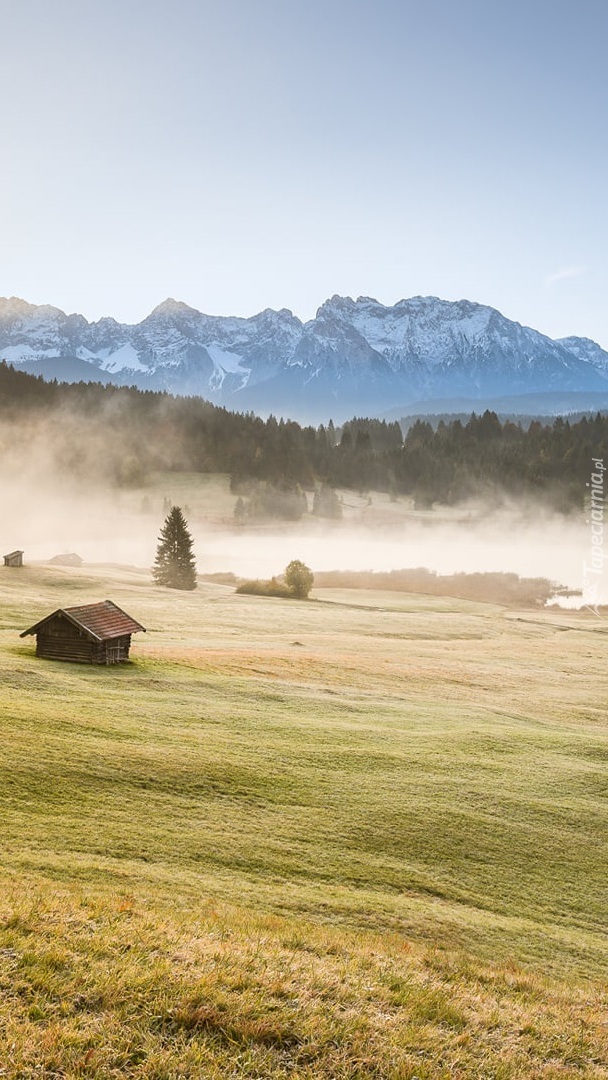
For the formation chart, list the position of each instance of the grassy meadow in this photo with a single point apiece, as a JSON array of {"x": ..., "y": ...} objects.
[{"x": 360, "y": 836}]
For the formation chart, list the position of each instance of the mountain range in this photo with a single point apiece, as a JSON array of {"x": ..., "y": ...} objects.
[{"x": 356, "y": 357}]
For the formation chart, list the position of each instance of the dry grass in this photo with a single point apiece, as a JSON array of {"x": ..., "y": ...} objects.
[
  {"x": 106, "y": 983},
  {"x": 362, "y": 837}
]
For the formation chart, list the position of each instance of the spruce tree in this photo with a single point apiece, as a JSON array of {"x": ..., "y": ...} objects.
[{"x": 174, "y": 564}]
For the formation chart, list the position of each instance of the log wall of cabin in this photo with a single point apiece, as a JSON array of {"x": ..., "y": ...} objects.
[
  {"x": 61, "y": 640},
  {"x": 66, "y": 647}
]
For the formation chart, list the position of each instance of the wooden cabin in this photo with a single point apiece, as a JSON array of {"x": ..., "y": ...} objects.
[
  {"x": 14, "y": 558},
  {"x": 90, "y": 634},
  {"x": 67, "y": 559}
]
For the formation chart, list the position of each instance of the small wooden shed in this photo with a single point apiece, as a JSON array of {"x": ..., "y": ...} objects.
[
  {"x": 90, "y": 634},
  {"x": 14, "y": 558},
  {"x": 67, "y": 559}
]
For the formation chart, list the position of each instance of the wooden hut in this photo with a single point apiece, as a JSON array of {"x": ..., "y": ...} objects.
[
  {"x": 90, "y": 634},
  {"x": 14, "y": 558},
  {"x": 67, "y": 559}
]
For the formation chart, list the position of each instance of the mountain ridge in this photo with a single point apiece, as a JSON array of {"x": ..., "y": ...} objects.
[{"x": 354, "y": 355}]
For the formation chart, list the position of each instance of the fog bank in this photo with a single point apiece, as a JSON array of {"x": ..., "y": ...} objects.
[{"x": 121, "y": 526}]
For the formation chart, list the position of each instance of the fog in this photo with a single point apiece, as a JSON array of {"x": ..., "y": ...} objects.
[
  {"x": 46, "y": 518},
  {"x": 446, "y": 549},
  {"x": 64, "y": 487}
]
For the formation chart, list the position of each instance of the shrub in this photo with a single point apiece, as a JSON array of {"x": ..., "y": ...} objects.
[
  {"x": 297, "y": 583},
  {"x": 299, "y": 578},
  {"x": 265, "y": 588}
]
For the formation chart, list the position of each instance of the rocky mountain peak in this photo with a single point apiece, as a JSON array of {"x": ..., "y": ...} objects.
[
  {"x": 355, "y": 356},
  {"x": 170, "y": 308}
]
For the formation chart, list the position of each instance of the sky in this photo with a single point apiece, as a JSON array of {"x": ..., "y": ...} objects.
[{"x": 246, "y": 154}]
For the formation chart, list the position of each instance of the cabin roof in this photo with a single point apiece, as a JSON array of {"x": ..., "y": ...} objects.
[
  {"x": 100, "y": 621},
  {"x": 10, "y": 554}
]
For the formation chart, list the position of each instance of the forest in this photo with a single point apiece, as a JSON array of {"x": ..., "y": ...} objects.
[{"x": 120, "y": 434}]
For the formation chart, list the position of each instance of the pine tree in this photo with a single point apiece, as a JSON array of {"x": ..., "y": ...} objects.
[
  {"x": 174, "y": 564},
  {"x": 326, "y": 503},
  {"x": 240, "y": 511}
]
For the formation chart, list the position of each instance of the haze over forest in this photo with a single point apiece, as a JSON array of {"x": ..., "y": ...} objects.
[{"x": 91, "y": 469}]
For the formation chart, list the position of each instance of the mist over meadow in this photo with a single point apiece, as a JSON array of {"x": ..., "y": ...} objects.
[
  {"x": 47, "y": 513},
  {"x": 93, "y": 470}
]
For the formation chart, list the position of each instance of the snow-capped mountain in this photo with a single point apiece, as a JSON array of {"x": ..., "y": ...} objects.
[
  {"x": 586, "y": 349},
  {"x": 355, "y": 356}
]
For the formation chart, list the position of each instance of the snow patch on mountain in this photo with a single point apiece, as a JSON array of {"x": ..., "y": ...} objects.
[
  {"x": 227, "y": 361},
  {"x": 126, "y": 358},
  {"x": 16, "y": 354}
]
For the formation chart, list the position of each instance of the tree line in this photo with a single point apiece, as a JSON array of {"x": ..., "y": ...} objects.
[{"x": 273, "y": 462}]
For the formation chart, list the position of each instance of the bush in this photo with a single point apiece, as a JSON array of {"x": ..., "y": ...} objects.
[
  {"x": 299, "y": 578},
  {"x": 297, "y": 583},
  {"x": 265, "y": 588}
]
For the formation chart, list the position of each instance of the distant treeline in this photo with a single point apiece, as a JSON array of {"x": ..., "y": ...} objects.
[
  {"x": 121, "y": 434},
  {"x": 497, "y": 588},
  {"x": 488, "y": 588}
]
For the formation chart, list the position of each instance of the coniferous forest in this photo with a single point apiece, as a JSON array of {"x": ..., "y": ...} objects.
[{"x": 119, "y": 434}]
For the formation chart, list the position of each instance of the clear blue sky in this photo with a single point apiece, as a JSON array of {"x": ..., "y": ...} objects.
[{"x": 245, "y": 154}]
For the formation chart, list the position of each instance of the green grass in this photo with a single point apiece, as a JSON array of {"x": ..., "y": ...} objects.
[{"x": 359, "y": 836}]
